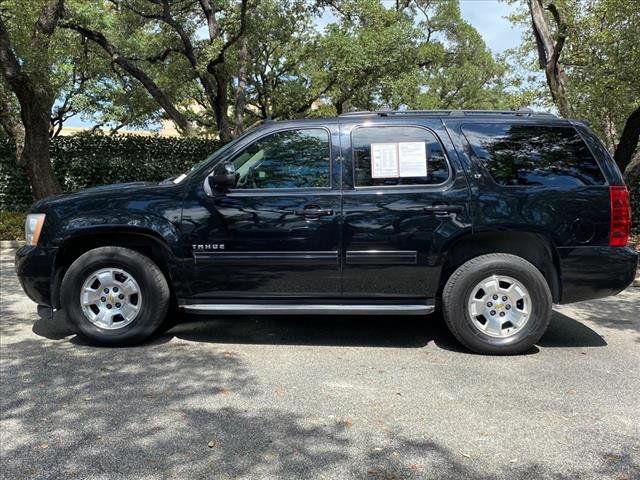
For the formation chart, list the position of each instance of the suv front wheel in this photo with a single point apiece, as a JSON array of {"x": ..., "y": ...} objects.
[
  {"x": 497, "y": 304},
  {"x": 115, "y": 296}
]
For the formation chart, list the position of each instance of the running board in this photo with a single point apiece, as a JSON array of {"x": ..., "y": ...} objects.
[{"x": 320, "y": 309}]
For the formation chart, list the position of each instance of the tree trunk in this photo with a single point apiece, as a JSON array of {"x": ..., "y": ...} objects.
[
  {"x": 628, "y": 141},
  {"x": 35, "y": 157},
  {"x": 549, "y": 52},
  {"x": 240, "y": 89},
  {"x": 10, "y": 121},
  {"x": 222, "y": 106},
  {"x": 632, "y": 171},
  {"x": 610, "y": 132},
  {"x": 35, "y": 96}
]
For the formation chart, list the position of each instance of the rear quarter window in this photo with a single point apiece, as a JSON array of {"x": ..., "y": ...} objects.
[{"x": 533, "y": 155}]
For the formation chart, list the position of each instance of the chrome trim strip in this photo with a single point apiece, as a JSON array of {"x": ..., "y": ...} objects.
[
  {"x": 266, "y": 258},
  {"x": 321, "y": 309},
  {"x": 382, "y": 257}
]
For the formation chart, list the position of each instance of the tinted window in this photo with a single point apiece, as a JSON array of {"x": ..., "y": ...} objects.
[
  {"x": 401, "y": 148},
  {"x": 519, "y": 154},
  {"x": 289, "y": 159}
]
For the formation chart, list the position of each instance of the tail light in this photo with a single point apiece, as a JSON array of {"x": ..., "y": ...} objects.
[{"x": 620, "y": 216}]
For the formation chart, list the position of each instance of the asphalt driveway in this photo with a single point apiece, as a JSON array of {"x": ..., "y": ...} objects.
[{"x": 317, "y": 397}]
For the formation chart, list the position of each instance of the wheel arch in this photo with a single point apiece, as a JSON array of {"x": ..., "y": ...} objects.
[
  {"x": 533, "y": 247},
  {"x": 144, "y": 241}
]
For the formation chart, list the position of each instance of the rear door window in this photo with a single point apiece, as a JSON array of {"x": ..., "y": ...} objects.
[
  {"x": 390, "y": 155},
  {"x": 530, "y": 155}
]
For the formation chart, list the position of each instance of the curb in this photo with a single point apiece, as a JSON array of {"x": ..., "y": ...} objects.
[{"x": 11, "y": 243}]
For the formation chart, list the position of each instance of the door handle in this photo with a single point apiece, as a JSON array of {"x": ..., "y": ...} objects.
[
  {"x": 313, "y": 211},
  {"x": 444, "y": 208}
]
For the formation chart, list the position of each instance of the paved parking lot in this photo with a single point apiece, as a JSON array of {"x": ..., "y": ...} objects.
[{"x": 373, "y": 398}]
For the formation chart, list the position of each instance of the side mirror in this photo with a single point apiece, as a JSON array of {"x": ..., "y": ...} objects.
[{"x": 223, "y": 177}]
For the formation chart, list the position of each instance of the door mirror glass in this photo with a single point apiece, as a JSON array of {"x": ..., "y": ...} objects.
[{"x": 223, "y": 177}]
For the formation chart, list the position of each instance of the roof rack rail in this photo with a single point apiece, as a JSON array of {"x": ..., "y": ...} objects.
[{"x": 524, "y": 112}]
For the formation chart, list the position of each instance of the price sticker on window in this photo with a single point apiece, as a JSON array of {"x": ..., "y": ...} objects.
[
  {"x": 384, "y": 160},
  {"x": 394, "y": 160},
  {"x": 412, "y": 159}
]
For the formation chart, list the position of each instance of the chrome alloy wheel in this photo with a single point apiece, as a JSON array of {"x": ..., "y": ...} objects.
[
  {"x": 499, "y": 306},
  {"x": 110, "y": 298}
]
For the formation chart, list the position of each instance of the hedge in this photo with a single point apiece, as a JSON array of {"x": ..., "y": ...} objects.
[
  {"x": 12, "y": 225},
  {"x": 86, "y": 160}
]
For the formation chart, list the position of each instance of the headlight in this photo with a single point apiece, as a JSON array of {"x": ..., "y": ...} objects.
[{"x": 33, "y": 227}]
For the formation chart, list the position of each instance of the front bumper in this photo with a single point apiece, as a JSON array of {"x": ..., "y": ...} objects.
[
  {"x": 35, "y": 268},
  {"x": 587, "y": 273}
]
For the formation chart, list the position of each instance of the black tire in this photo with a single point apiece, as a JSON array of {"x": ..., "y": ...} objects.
[
  {"x": 461, "y": 285},
  {"x": 154, "y": 292}
]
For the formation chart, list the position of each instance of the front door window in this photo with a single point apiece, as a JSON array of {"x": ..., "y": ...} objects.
[{"x": 287, "y": 159}]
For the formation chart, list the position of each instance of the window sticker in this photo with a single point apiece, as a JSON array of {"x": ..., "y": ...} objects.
[
  {"x": 384, "y": 160},
  {"x": 412, "y": 159}
]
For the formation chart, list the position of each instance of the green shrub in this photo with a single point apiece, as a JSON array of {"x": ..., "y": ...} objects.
[
  {"x": 86, "y": 160},
  {"x": 12, "y": 225},
  {"x": 15, "y": 193}
]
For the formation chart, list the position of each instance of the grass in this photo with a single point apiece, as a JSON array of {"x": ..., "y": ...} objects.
[{"x": 12, "y": 225}]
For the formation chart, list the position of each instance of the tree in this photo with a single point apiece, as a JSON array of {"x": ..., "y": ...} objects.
[
  {"x": 176, "y": 24},
  {"x": 10, "y": 118},
  {"x": 602, "y": 55},
  {"x": 203, "y": 65},
  {"x": 410, "y": 54},
  {"x": 462, "y": 71},
  {"x": 549, "y": 48},
  {"x": 25, "y": 62},
  {"x": 597, "y": 50},
  {"x": 279, "y": 41}
]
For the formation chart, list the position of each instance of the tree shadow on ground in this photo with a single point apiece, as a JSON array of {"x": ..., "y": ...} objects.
[
  {"x": 183, "y": 410},
  {"x": 151, "y": 412}
]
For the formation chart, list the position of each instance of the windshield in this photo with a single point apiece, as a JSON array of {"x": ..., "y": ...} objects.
[{"x": 217, "y": 154}]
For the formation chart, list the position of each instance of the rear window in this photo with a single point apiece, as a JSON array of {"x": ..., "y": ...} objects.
[{"x": 520, "y": 154}]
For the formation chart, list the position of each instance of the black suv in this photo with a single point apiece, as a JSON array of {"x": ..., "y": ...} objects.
[{"x": 494, "y": 216}]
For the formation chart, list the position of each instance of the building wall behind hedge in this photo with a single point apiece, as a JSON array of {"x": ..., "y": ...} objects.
[{"x": 86, "y": 160}]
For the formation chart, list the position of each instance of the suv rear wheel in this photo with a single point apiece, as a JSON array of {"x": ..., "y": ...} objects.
[
  {"x": 497, "y": 304},
  {"x": 115, "y": 296}
]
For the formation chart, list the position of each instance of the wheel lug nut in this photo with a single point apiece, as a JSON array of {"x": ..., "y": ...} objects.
[
  {"x": 115, "y": 289},
  {"x": 492, "y": 312},
  {"x": 108, "y": 305},
  {"x": 495, "y": 297},
  {"x": 117, "y": 305},
  {"x": 504, "y": 299},
  {"x": 121, "y": 296},
  {"x": 103, "y": 299},
  {"x": 502, "y": 314},
  {"x": 489, "y": 304},
  {"x": 106, "y": 290},
  {"x": 508, "y": 307}
]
